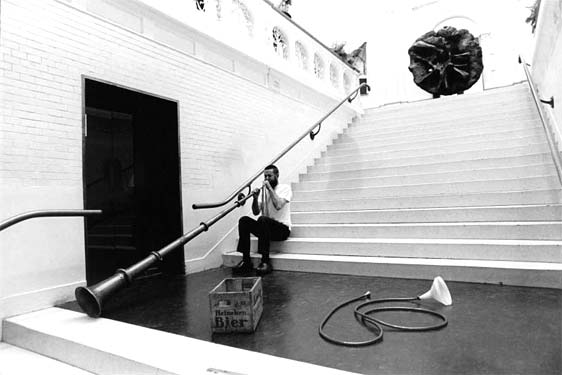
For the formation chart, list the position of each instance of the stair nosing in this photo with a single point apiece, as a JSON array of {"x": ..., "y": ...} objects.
[
  {"x": 449, "y": 195},
  {"x": 546, "y": 155},
  {"x": 515, "y": 206},
  {"x": 430, "y": 224},
  {"x": 415, "y": 261},
  {"x": 434, "y": 241},
  {"x": 432, "y": 261},
  {"x": 479, "y": 159},
  {"x": 367, "y": 155},
  {"x": 539, "y": 129},
  {"x": 544, "y": 177},
  {"x": 341, "y": 163},
  {"x": 458, "y": 171}
]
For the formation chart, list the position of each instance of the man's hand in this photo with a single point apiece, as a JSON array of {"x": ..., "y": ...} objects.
[
  {"x": 267, "y": 185},
  {"x": 255, "y": 207}
]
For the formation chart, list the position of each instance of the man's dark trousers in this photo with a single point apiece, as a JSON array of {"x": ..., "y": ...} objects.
[{"x": 266, "y": 229}]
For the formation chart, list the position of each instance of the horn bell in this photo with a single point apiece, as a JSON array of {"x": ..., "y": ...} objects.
[{"x": 438, "y": 292}]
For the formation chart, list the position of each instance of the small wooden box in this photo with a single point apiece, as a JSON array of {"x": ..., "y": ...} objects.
[{"x": 236, "y": 304}]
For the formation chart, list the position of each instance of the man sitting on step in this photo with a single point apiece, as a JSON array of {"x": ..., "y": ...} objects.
[{"x": 272, "y": 200}]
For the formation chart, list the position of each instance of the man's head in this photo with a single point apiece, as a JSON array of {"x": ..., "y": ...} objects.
[{"x": 271, "y": 174}]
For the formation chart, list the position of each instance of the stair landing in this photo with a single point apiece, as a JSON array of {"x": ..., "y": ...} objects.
[
  {"x": 485, "y": 332},
  {"x": 105, "y": 346}
]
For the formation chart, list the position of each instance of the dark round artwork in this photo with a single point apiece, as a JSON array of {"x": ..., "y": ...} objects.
[{"x": 446, "y": 62}]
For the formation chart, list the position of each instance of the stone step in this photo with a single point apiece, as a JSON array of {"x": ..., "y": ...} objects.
[
  {"x": 394, "y": 159},
  {"x": 459, "y": 187},
  {"x": 500, "y": 93},
  {"x": 453, "y": 114},
  {"x": 514, "y": 213},
  {"x": 537, "y": 230},
  {"x": 17, "y": 361},
  {"x": 531, "y": 274},
  {"x": 450, "y": 177},
  {"x": 105, "y": 346},
  {"x": 364, "y": 144},
  {"x": 423, "y": 134},
  {"x": 475, "y": 249},
  {"x": 535, "y": 143},
  {"x": 489, "y": 99},
  {"x": 414, "y": 122},
  {"x": 372, "y": 133},
  {"x": 428, "y": 148},
  {"x": 438, "y": 167},
  {"x": 482, "y": 199}
]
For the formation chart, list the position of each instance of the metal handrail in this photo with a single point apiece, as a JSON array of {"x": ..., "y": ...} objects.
[
  {"x": 310, "y": 132},
  {"x": 545, "y": 124},
  {"x": 46, "y": 213}
]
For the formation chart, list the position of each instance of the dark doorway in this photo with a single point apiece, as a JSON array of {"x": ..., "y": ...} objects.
[{"x": 132, "y": 173}]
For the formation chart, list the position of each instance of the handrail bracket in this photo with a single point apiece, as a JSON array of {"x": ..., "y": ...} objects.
[
  {"x": 314, "y": 134},
  {"x": 549, "y": 102}
]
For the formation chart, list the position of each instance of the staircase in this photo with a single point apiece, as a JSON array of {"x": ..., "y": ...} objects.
[{"x": 463, "y": 187}]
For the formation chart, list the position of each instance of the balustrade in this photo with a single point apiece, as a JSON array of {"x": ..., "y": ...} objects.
[{"x": 258, "y": 29}]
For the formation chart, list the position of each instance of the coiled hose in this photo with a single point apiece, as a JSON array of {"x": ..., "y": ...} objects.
[{"x": 365, "y": 317}]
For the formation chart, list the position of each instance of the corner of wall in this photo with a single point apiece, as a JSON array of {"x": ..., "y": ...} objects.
[
  {"x": 213, "y": 257},
  {"x": 36, "y": 300}
]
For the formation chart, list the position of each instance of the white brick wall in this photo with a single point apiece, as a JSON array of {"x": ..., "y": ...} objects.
[{"x": 231, "y": 121}]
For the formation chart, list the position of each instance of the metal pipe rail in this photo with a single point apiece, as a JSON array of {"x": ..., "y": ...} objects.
[
  {"x": 310, "y": 132},
  {"x": 45, "y": 213},
  {"x": 91, "y": 298},
  {"x": 545, "y": 124}
]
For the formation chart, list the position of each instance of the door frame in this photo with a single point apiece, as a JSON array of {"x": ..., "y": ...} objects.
[{"x": 84, "y": 78}]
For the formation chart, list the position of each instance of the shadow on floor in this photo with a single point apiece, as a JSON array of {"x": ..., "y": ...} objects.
[{"x": 492, "y": 329}]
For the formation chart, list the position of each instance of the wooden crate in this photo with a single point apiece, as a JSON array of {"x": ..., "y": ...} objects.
[{"x": 236, "y": 304}]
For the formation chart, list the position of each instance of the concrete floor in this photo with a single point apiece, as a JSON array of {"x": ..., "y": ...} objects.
[{"x": 492, "y": 329}]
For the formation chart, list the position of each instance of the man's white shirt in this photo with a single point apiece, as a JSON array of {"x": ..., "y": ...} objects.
[{"x": 283, "y": 215}]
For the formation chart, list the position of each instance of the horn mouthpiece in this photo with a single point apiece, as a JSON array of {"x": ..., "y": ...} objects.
[{"x": 438, "y": 292}]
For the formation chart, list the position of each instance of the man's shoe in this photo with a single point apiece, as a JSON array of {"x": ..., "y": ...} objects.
[
  {"x": 243, "y": 267},
  {"x": 264, "y": 269}
]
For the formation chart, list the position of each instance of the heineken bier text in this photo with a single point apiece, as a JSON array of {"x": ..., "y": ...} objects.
[{"x": 236, "y": 305}]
